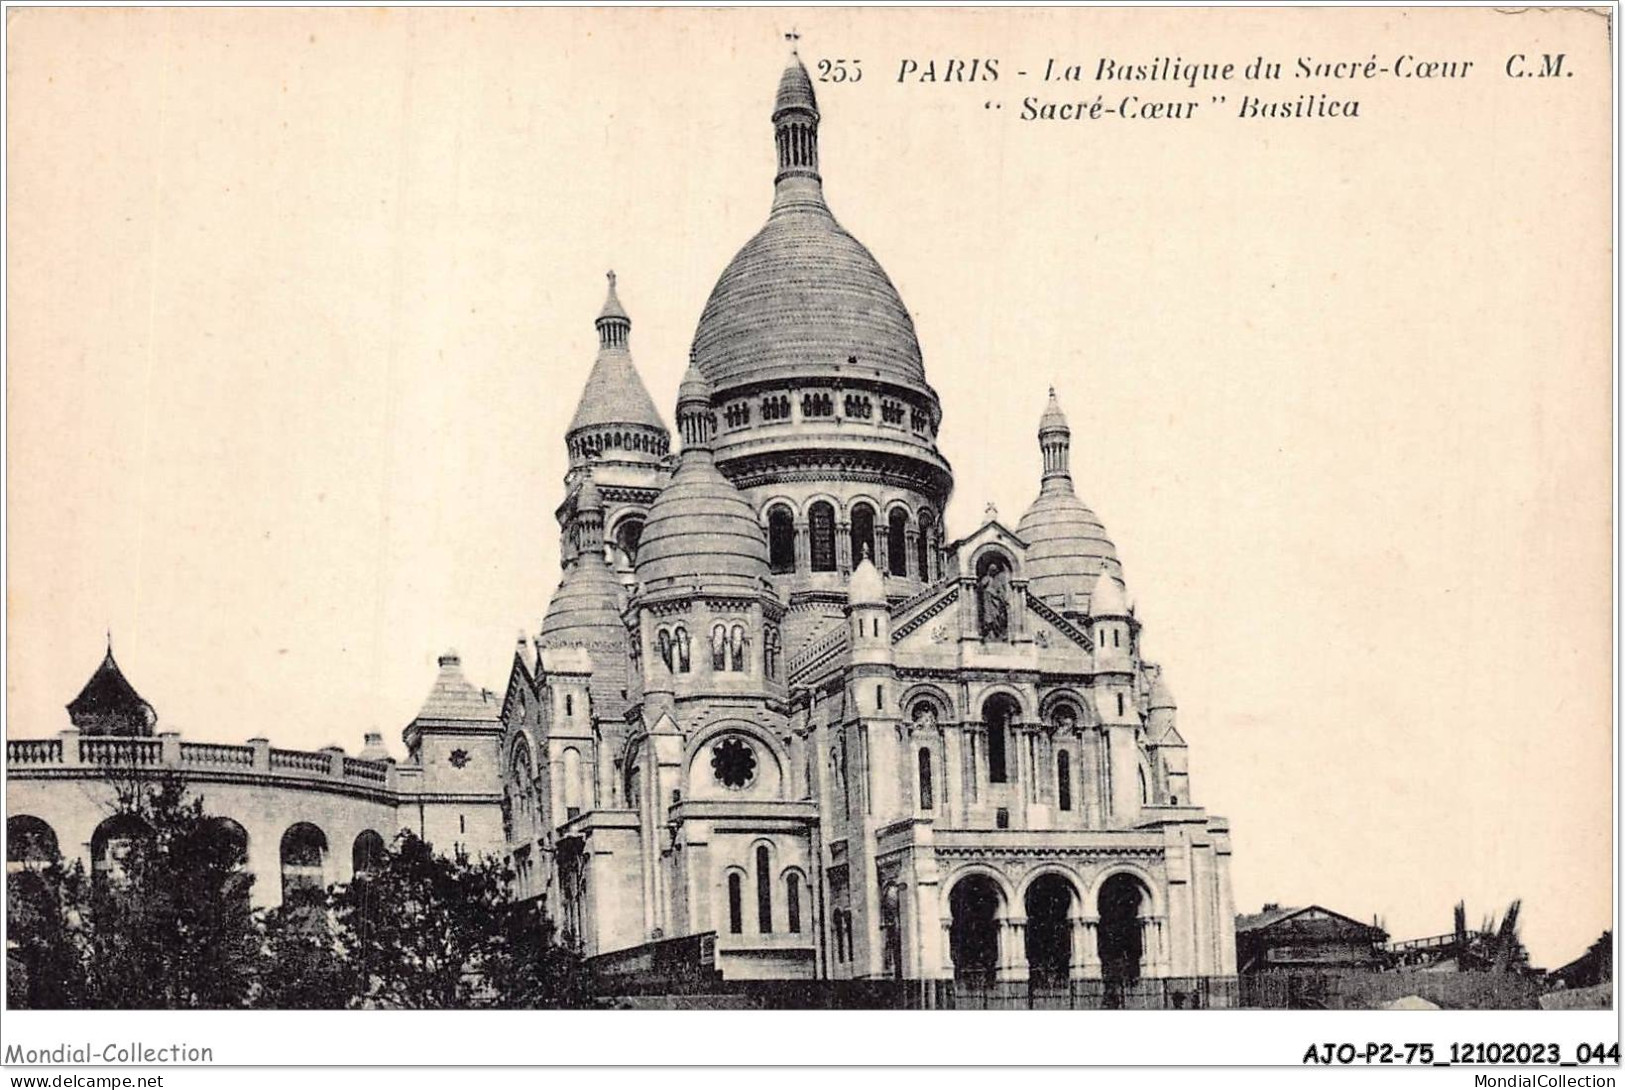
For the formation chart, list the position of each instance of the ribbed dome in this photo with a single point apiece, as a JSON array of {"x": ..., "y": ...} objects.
[
  {"x": 1066, "y": 547},
  {"x": 803, "y": 297},
  {"x": 1066, "y": 544},
  {"x": 587, "y": 606},
  {"x": 701, "y": 529},
  {"x": 586, "y": 612}
]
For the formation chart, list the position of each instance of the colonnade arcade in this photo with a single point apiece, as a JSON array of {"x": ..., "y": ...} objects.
[
  {"x": 1050, "y": 930},
  {"x": 827, "y": 537}
]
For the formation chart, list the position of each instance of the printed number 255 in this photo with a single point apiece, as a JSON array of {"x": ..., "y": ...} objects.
[{"x": 840, "y": 71}]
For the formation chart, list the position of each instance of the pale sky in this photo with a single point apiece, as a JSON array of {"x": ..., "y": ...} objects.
[{"x": 301, "y": 301}]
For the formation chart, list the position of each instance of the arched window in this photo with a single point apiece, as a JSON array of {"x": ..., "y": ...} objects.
[
  {"x": 367, "y": 854},
  {"x": 719, "y": 647},
  {"x": 680, "y": 637},
  {"x": 770, "y": 652},
  {"x": 304, "y": 855},
  {"x": 628, "y": 535},
  {"x": 863, "y": 533},
  {"x": 897, "y": 542},
  {"x": 764, "y": 892},
  {"x": 926, "y": 801},
  {"x": 116, "y": 844},
  {"x": 572, "y": 783},
  {"x": 1063, "y": 779},
  {"x": 792, "y": 902},
  {"x": 922, "y": 547},
  {"x": 781, "y": 540},
  {"x": 993, "y": 596},
  {"x": 738, "y": 648},
  {"x": 29, "y": 840},
  {"x": 821, "y": 536},
  {"x": 663, "y": 647},
  {"x": 997, "y": 715},
  {"x": 736, "y": 903}
]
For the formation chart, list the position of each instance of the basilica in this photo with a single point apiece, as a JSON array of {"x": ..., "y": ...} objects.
[
  {"x": 771, "y": 702},
  {"x": 774, "y": 719}
]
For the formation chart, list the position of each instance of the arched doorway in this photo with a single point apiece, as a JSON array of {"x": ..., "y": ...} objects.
[
  {"x": 1122, "y": 902},
  {"x": 1049, "y": 930},
  {"x": 973, "y": 934}
]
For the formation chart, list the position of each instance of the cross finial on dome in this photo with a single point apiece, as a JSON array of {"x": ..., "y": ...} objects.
[
  {"x": 613, "y": 322},
  {"x": 991, "y": 512}
]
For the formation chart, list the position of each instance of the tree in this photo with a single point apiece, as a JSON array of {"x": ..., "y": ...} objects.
[
  {"x": 45, "y": 951},
  {"x": 431, "y": 932},
  {"x": 169, "y": 921},
  {"x": 164, "y": 921}
]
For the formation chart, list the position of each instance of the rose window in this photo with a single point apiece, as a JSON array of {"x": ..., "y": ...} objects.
[{"x": 733, "y": 762}]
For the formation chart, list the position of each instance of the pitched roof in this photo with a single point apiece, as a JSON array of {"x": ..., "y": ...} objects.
[
  {"x": 452, "y": 697},
  {"x": 109, "y": 693}
]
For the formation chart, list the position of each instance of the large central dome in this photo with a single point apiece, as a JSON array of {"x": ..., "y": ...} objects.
[{"x": 805, "y": 297}]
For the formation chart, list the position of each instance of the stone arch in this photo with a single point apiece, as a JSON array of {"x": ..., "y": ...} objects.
[
  {"x": 993, "y": 573},
  {"x": 113, "y": 842},
  {"x": 1154, "y": 904},
  {"x": 863, "y": 524},
  {"x": 625, "y": 536},
  {"x": 976, "y": 903},
  {"x": 898, "y": 520},
  {"x": 797, "y": 899},
  {"x": 30, "y": 840},
  {"x": 1000, "y": 712},
  {"x": 779, "y": 519},
  {"x": 303, "y": 854},
  {"x": 734, "y": 883},
  {"x": 367, "y": 853},
  {"x": 232, "y": 836},
  {"x": 1126, "y": 945},
  {"x": 1057, "y": 699},
  {"x": 769, "y": 778},
  {"x": 1050, "y": 898},
  {"x": 823, "y": 516},
  {"x": 927, "y": 693}
]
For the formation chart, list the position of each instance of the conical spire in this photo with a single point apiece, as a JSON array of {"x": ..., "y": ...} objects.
[
  {"x": 795, "y": 131},
  {"x": 615, "y": 413}
]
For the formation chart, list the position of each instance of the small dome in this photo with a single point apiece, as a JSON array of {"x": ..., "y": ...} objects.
[
  {"x": 1067, "y": 547},
  {"x": 795, "y": 89},
  {"x": 1053, "y": 419},
  {"x": 701, "y": 529},
  {"x": 694, "y": 387},
  {"x": 614, "y": 393},
  {"x": 586, "y": 612},
  {"x": 1107, "y": 598},
  {"x": 1161, "y": 695},
  {"x": 866, "y": 587}
]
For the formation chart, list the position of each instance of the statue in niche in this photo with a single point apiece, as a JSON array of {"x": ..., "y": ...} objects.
[{"x": 993, "y": 597}]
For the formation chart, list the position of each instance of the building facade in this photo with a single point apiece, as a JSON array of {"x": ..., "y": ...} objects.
[{"x": 769, "y": 700}]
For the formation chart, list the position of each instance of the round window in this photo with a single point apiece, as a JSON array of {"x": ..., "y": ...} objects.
[{"x": 733, "y": 762}]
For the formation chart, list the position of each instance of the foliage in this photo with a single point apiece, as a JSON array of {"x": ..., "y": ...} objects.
[
  {"x": 430, "y": 932},
  {"x": 165, "y": 921}
]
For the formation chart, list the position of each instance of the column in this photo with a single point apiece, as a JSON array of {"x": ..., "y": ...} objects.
[
  {"x": 1012, "y": 948},
  {"x": 883, "y": 547},
  {"x": 911, "y": 538},
  {"x": 803, "y": 539},
  {"x": 843, "y": 547},
  {"x": 1085, "y": 952},
  {"x": 948, "y": 947}
]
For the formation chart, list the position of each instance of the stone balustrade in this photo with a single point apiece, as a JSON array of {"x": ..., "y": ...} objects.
[{"x": 70, "y": 750}]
